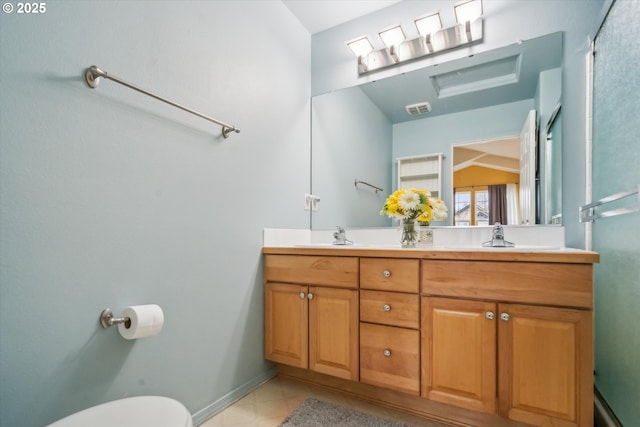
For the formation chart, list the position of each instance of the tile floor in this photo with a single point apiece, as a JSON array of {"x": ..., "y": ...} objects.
[{"x": 270, "y": 403}]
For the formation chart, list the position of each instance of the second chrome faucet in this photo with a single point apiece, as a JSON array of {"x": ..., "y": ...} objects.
[
  {"x": 341, "y": 237},
  {"x": 497, "y": 239}
]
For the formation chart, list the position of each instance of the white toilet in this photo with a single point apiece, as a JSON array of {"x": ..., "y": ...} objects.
[{"x": 141, "y": 411}]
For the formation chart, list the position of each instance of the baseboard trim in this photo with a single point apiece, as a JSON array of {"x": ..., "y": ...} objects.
[
  {"x": 230, "y": 398},
  {"x": 603, "y": 414}
]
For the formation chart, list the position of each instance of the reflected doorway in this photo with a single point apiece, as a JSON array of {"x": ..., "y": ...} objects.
[{"x": 476, "y": 168}]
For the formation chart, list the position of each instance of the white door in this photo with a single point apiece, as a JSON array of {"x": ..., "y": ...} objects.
[{"x": 528, "y": 170}]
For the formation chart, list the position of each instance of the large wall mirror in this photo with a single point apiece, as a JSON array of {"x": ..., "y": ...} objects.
[{"x": 471, "y": 110}]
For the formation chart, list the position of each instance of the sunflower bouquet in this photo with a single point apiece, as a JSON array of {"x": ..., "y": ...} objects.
[{"x": 414, "y": 204}]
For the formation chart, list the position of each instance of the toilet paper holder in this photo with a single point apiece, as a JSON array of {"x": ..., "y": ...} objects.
[{"x": 107, "y": 320}]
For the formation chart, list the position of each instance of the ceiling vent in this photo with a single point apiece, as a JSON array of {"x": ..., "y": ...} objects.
[{"x": 419, "y": 108}]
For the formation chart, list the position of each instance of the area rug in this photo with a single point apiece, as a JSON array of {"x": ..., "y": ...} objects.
[{"x": 317, "y": 413}]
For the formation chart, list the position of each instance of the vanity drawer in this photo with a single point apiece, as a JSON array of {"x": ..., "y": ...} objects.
[
  {"x": 390, "y": 274},
  {"x": 557, "y": 284},
  {"x": 390, "y": 308},
  {"x": 390, "y": 357},
  {"x": 336, "y": 271}
]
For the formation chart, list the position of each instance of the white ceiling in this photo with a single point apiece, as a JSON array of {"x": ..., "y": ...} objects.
[{"x": 319, "y": 15}]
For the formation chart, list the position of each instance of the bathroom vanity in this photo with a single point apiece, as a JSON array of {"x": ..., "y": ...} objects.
[{"x": 502, "y": 336}]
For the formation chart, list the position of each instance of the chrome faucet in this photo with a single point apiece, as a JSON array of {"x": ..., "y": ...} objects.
[
  {"x": 341, "y": 237},
  {"x": 497, "y": 241}
]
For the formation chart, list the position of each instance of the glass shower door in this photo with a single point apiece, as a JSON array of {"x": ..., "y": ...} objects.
[{"x": 616, "y": 168}]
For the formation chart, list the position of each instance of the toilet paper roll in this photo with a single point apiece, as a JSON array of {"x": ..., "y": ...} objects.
[{"x": 145, "y": 321}]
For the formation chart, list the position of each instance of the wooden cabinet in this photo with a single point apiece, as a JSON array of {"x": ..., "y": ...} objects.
[
  {"x": 389, "y": 323},
  {"x": 333, "y": 332},
  {"x": 490, "y": 339},
  {"x": 535, "y": 360},
  {"x": 390, "y": 357},
  {"x": 459, "y": 353},
  {"x": 546, "y": 366},
  {"x": 390, "y": 274},
  {"x": 390, "y": 308},
  {"x": 309, "y": 326},
  {"x": 286, "y": 313}
]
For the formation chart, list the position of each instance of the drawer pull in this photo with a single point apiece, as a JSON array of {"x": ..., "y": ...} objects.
[
  {"x": 387, "y": 352},
  {"x": 386, "y": 273},
  {"x": 505, "y": 316},
  {"x": 489, "y": 315},
  {"x": 310, "y": 296},
  {"x": 302, "y": 295},
  {"x": 386, "y": 307}
]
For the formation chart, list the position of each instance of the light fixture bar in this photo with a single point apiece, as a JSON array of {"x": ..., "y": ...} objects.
[{"x": 429, "y": 44}]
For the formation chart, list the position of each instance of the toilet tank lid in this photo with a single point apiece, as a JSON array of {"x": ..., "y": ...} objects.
[{"x": 140, "y": 411}]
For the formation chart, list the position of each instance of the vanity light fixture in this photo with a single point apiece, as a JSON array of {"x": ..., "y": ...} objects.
[
  {"x": 360, "y": 46},
  {"x": 428, "y": 24},
  {"x": 433, "y": 38},
  {"x": 468, "y": 11},
  {"x": 392, "y": 36}
]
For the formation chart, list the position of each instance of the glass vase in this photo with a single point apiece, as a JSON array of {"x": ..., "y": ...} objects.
[{"x": 409, "y": 233}]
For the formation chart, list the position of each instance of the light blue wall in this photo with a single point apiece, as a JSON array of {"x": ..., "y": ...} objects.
[
  {"x": 505, "y": 22},
  {"x": 352, "y": 140},
  {"x": 110, "y": 198},
  {"x": 438, "y": 133}
]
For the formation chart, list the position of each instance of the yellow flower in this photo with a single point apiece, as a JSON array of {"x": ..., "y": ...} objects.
[
  {"x": 414, "y": 204},
  {"x": 426, "y": 216}
]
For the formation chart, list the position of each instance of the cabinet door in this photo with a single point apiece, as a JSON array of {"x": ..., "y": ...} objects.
[
  {"x": 459, "y": 352},
  {"x": 333, "y": 332},
  {"x": 286, "y": 327},
  {"x": 546, "y": 365}
]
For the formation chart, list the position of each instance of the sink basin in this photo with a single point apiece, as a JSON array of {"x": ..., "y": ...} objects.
[
  {"x": 330, "y": 245},
  {"x": 532, "y": 248},
  {"x": 528, "y": 248}
]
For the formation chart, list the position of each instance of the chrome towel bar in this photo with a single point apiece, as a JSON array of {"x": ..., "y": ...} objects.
[
  {"x": 588, "y": 212},
  {"x": 92, "y": 77},
  {"x": 357, "y": 181}
]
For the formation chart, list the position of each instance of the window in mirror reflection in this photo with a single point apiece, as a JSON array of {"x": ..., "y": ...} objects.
[{"x": 471, "y": 206}]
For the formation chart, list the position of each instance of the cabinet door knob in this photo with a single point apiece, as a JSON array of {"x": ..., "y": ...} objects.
[
  {"x": 310, "y": 295},
  {"x": 387, "y": 352},
  {"x": 505, "y": 316},
  {"x": 386, "y": 273},
  {"x": 490, "y": 315},
  {"x": 386, "y": 307},
  {"x": 302, "y": 295}
]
